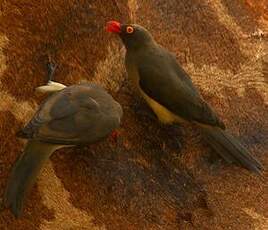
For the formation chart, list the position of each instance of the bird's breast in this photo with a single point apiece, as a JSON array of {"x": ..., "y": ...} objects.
[{"x": 133, "y": 75}]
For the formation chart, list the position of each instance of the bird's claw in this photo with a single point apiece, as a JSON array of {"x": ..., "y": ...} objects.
[
  {"x": 172, "y": 133},
  {"x": 143, "y": 111},
  {"x": 51, "y": 70}
]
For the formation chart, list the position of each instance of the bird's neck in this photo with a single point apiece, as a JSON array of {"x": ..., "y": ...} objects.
[{"x": 137, "y": 48}]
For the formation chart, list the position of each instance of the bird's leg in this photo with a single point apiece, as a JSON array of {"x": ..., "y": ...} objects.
[
  {"x": 139, "y": 106},
  {"x": 51, "y": 67},
  {"x": 51, "y": 86},
  {"x": 142, "y": 110},
  {"x": 172, "y": 134},
  {"x": 214, "y": 161}
]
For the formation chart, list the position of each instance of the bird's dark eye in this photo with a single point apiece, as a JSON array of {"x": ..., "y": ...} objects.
[{"x": 129, "y": 29}]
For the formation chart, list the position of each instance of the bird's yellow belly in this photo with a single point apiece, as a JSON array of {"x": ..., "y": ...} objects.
[{"x": 163, "y": 114}]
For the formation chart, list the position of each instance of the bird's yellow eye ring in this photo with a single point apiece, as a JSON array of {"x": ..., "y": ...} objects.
[{"x": 130, "y": 29}]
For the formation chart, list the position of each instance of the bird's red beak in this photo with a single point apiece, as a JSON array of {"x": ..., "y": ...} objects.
[{"x": 113, "y": 27}]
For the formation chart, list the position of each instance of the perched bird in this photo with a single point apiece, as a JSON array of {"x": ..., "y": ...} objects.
[
  {"x": 75, "y": 115},
  {"x": 169, "y": 91}
]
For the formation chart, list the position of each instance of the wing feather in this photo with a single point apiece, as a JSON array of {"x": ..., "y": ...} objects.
[{"x": 162, "y": 79}]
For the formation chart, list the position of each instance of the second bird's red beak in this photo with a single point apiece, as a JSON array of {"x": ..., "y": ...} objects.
[{"x": 113, "y": 27}]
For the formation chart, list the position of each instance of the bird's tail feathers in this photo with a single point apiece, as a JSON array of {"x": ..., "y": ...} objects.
[
  {"x": 229, "y": 148},
  {"x": 24, "y": 173}
]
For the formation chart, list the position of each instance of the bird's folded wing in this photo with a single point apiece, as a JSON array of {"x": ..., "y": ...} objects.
[
  {"x": 60, "y": 117},
  {"x": 173, "y": 92}
]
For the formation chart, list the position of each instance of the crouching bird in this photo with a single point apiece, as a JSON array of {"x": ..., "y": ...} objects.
[
  {"x": 169, "y": 91},
  {"x": 75, "y": 115}
]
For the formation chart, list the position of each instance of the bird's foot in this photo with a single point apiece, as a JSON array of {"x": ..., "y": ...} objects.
[
  {"x": 51, "y": 86},
  {"x": 142, "y": 110},
  {"x": 51, "y": 67},
  {"x": 214, "y": 162},
  {"x": 172, "y": 134}
]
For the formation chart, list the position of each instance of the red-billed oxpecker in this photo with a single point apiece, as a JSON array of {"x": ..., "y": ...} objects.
[
  {"x": 75, "y": 115},
  {"x": 169, "y": 91}
]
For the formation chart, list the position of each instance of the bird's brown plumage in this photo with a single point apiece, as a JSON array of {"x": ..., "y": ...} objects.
[
  {"x": 76, "y": 115},
  {"x": 169, "y": 91},
  {"x": 79, "y": 114}
]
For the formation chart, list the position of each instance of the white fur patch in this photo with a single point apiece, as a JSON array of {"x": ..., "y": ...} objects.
[{"x": 50, "y": 87}]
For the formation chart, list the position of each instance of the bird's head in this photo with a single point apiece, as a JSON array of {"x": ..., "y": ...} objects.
[{"x": 133, "y": 36}]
